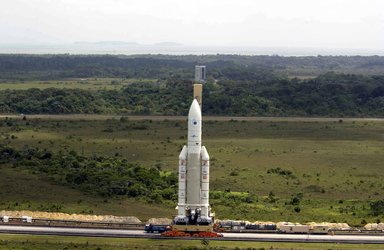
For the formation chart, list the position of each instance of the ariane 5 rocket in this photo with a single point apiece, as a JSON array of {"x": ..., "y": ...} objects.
[{"x": 193, "y": 195}]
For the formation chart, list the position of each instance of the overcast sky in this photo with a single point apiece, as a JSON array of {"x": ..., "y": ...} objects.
[{"x": 282, "y": 23}]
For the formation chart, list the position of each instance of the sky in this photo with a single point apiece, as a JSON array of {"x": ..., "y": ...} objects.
[{"x": 265, "y": 23}]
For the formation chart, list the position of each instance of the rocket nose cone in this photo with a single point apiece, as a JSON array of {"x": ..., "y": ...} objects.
[{"x": 194, "y": 110}]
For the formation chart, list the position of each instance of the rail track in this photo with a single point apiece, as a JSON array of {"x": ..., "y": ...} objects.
[
  {"x": 124, "y": 233},
  {"x": 126, "y": 230}
]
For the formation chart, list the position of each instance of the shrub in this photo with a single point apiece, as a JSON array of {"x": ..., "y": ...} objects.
[
  {"x": 377, "y": 207},
  {"x": 281, "y": 172}
]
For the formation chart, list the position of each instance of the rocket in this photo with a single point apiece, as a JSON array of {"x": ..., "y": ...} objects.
[{"x": 193, "y": 194}]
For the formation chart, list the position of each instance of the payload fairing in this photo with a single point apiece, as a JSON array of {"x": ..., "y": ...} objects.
[{"x": 193, "y": 195}]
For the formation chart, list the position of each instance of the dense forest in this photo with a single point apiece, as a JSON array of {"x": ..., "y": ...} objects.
[
  {"x": 162, "y": 66},
  {"x": 237, "y": 85}
]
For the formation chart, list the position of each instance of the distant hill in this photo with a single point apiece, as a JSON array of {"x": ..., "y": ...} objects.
[
  {"x": 108, "y": 43},
  {"x": 123, "y": 43}
]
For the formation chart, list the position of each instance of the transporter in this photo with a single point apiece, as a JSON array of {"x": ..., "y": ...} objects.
[{"x": 194, "y": 216}]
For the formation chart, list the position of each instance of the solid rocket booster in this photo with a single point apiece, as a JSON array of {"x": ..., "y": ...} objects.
[{"x": 193, "y": 195}]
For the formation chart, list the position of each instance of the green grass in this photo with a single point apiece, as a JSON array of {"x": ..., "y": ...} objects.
[
  {"x": 22, "y": 190},
  {"x": 68, "y": 242},
  {"x": 338, "y": 166},
  {"x": 80, "y": 83}
]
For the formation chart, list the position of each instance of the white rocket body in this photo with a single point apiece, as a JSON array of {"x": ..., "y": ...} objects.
[{"x": 193, "y": 195}]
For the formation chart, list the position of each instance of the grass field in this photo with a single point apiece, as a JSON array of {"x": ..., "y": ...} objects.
[
  {"x": 80, "y": 83},
  {"x": 337, "y": 165},
  {"x": 67, "y": 242}
]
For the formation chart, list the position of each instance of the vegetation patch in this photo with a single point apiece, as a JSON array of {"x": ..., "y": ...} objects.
[
  {"x": 283, "y": 172},
  {"x": 100, "y": 175}
]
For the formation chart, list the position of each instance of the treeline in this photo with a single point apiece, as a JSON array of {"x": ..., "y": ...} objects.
[
  {"x": 26, "y": 67},
  {"x": 96, "y": 175},
  {"x": 327, "y": 95},
  {"x": 237, "y": 85},
  {"x": 138, "y": 99},
  {"x": 43, "y": 67}
]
